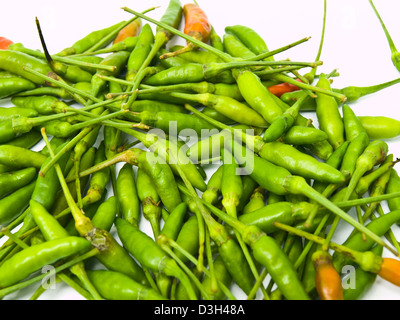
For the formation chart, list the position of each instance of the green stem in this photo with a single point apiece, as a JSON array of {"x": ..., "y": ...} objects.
[
  {"x": 112, "y": 34},
  {"x": 265, "y": 55},
  {"x": 222, "y": 55}
]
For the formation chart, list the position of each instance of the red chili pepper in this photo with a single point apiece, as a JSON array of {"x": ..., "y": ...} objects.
[
  {"x": 4, "y": 43},
  {"x": 131, "y": 30},
  {"x": 281, "y": 88},
  {"x": 327, "y": 279},
  {"x": 197, "y": 26},
  {"x": 390, "y": 270}
]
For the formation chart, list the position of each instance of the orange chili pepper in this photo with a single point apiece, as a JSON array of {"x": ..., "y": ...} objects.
[
  {"x": 131, "y": 30},
  {"x": 281, "y": 88},
  {"x": 327, "y": 279},
  {"x": 4, "y": 43},
  {"x": 197, "y": 26},
  {"x": 390, "y": 270}
]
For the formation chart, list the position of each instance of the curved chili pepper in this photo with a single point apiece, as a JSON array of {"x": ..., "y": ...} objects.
[
  {"x": 11, "y": 181},
  {"x": 196, "y": 26},
  {"x": 31, "y": 259},
  {"x": 257, "y": 201},
  {"x": 26, "y": 140},
  {"x": 393, "y": 186},
  {"x": 14, "y": 112},
  {"x": 89, "y": 40},
  {"x": 113, "y": 285},
  {"x": 150, "y": 255},
  {"x": 11, "y": 86}
]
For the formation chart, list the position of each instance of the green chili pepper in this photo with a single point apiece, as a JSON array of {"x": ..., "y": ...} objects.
[
  {"x": 352, "y": 124},
  {"x": 249, "y": 186},
  {"x": 150, "y": 200},
  {"x": 222, "y": 275},
  {"x": 363, "y": 279},
  {"x": 356, "y": 242},
  {"x": 140, "y": 52},
  {"x": 286, "y": 212},
  {"x": 393, "y": 186},
  {"x": 11, "y": 86},
  {"x": 127, "y": 195},
  {"x": 14, "y": 112},
  {"x": 373, "y": 154},
  {"x": 226, "y": 106},
  {"x": 257, "y": 201},
  {"x": 13, "y": 61},
  {"x": 379, "y": 127},
  {"x": 298, "y": 135},
  {"x": 150, "y": 255},
  {"x": 173, "y": 224},
  {"x": 26, "y": 140},
  {"x": 105, "y": 214},
  {"x": 117, "y": 286},
  {"x": 188, "y": 238},
  {"x": 31, "y": 259},
  {"x": 89, "y": 40},
  {"x": 328, "y": 115},
  {"x": 11, "y": 181},
  {"x": 42, "y": 104},
  {"x": 17, "y": 157},
  {"x": 14, "y": 204},
  {"x": 213, "y": 190},
  {"x": 249, "y": 38}
]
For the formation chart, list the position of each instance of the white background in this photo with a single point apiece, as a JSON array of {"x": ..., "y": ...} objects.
[{"x": 354, "y": 43}]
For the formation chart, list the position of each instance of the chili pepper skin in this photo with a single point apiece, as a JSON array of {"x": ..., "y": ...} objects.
[
  {"x": 12, "y": 181},
  {"x": 298, "y": 135},
  {"x": 150, "y": 200},
  {"x": 249, "y": 37},
  {"x": 222, "y": 275},
  {"x": 213, "y": 190},
  {"x": 363, "y": 279},
  {"x": 12, "y": 205},
  {"x": 16, "y": 157},
  {"x": 268, "y": 252},
  {"x": 188, "y": 238},
  {"x": 131, "y": 30},
  {"x": 31, "y": 259},
  {"x": 149, "y": 254},
  {"x": 13, "y": 61},
  {"x": 117, "y": 286},
  {"x": 14, "y": 112},
  {"x": 140, "y": 52},
  {"x": 259, "y": 98},
  {"x": 156, "y": 106},
  {"x": 11, "y": 86},
  {"x": 42, "y": 104},
  {"x": 379, "y": 127},
  {"x": 352, "y": 123},
  {"x": 327, "y": 279},
  {"x": 328, "y": 115},
  {"x": 393, "y": 186},
  {"x": 106, "y": 214},
  {"x": 127, "y": 195},
  {"x": 285, "y": 212},
  {"x": 280, "y": 153},
  {"x": 356, "y": 242},
  {"x": 175, "y": 220},
  {"x": 26, "y": 140},
  {"x": 196, "y": 26},
  {"x": 89, "y": 40}
]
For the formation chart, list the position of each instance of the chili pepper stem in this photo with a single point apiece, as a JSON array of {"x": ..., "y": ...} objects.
[
  {"x": 276, "y": 51},
  {"x": 201, "y": 44},
  {"x": 312, "y": 194}
]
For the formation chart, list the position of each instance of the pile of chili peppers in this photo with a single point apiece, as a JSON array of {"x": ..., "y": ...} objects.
[{"x": 106, "y": 111}]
